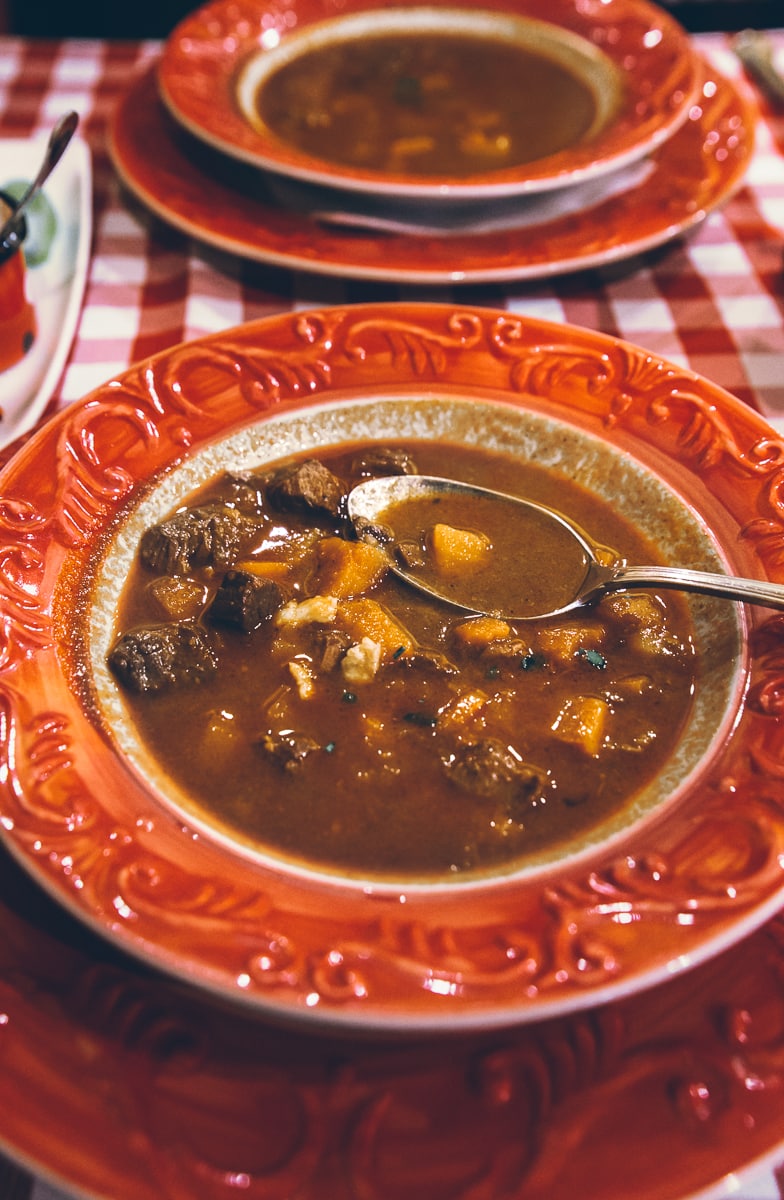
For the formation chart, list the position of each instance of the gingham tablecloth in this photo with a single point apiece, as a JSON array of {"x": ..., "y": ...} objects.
[{"x": 713, "y": 302}]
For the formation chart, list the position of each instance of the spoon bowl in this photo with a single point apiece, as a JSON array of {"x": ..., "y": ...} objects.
[{"x": 516, "y": 578}]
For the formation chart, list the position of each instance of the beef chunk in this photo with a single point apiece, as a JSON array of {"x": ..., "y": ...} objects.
[
  {"x": 410, "y": 555},
  {"x": 161, "y": 656},
  {"x": 288, "y": 750},
  {"x": 211, "y": 536},
  {"x": 488, "y": 769},
  {"x": 331, "y": 644},
  {"x": 384, "y": 460},
  {"x": 245, "y": 491},
  {"x": 307, "y": 487},
  {"x": 373, "y": 531},
  {"x": 245, "y": 601},
  {"x": 427, "y": 661}
]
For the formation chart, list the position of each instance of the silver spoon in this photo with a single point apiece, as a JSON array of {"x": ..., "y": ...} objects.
[
  {"x": 532, "y": 537},
  {"x": 12, "y": 231}
]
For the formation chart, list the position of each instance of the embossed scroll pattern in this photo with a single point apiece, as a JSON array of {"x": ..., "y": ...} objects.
[{"x": 71, "y": 810}]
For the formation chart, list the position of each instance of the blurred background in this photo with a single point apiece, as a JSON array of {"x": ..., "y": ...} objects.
[{"x": 156, "y": 18}]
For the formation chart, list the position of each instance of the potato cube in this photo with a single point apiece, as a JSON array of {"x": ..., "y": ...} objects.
[
  {"x": 642, "y": 615},
  {"x": 178, "y": 596},
  {"x": 583, "y": 721},
  {"x": 463, "y": 711},
  {"x": 561, "y": 642},
  {"x": 364, "y": 618},
  {"x": 635, "y": 610},
  {"x": 655, "y": 640},
  {"x": 457, "y": 550},
  {"x": 349, "y": 568},
  {"x": 218, "y": 741},
  {"x": 634, "y": 685}
]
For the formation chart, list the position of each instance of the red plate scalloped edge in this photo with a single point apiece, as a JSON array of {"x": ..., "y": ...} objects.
[{"x": 693, "y": 172}]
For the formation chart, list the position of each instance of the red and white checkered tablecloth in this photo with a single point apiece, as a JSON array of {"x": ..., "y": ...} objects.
[{"x": 713, "y": 301}]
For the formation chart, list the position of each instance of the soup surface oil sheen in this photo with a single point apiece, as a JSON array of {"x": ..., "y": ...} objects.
[{"x": 427, "y": 103}]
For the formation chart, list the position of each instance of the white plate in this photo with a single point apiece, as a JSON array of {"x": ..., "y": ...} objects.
[{"x": 55, "y": 287}]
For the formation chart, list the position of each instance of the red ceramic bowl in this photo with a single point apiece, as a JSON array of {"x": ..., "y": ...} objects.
[
  {"x": 700, "y": 865},
  {"x": 635, "y": 57}
]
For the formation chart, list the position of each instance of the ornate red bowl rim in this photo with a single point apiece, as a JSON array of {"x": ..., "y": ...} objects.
[{"x": 686, "y": 885}]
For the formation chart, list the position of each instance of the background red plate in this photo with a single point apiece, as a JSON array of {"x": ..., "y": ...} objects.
[{"x": 227, "y": 205}]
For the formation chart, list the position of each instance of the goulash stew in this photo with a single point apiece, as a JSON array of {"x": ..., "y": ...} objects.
[
  {"x": 308, "y": 700},
  {"x": 426, "y": 103}
]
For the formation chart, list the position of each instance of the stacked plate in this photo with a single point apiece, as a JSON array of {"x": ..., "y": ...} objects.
[{"x": 431, "y": 143}]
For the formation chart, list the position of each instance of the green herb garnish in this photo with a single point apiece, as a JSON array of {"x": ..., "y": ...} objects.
[
  {"x": 532, "y": 662},
  {"x": 594, "y": 658}
]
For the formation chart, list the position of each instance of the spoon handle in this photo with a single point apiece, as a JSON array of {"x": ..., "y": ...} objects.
[
  {"x": 729, "y": 587},
  {"x": 59, "y": 138},
  {"x": 11, "y": 232}
]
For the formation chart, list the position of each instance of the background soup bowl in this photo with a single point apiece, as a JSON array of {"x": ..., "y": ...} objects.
[{"x": 635, "y": 59}]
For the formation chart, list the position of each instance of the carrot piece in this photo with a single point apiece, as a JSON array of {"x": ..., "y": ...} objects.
[
  {"x": 365, "y": 618},
  {"x": 480, "y": 631},
  {"x": 349, "y": 568}
]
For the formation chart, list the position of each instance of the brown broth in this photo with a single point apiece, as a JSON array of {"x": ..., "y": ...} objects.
[
  {"x": 376, "y": 798},
  {"x": 426, "y": 104},
  {"x": 515, "y": 573}
]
